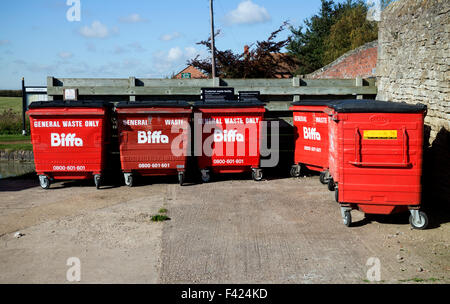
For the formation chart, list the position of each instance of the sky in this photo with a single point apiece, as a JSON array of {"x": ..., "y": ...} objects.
[{"x": 119, "y": 39}]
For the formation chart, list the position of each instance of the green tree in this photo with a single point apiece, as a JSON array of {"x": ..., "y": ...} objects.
[
  {"x": 312, "y": 44},
  {"x": 307, "y": 44},
  {"x": 350, "y": 31}
]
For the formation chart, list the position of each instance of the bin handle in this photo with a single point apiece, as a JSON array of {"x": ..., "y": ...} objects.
[{"x": 358, "y": 162}]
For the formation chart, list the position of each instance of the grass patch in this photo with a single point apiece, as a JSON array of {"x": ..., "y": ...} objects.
[
  {"x": 420, "y": 280},
  {"x": 16, "y": 147},
  {"x": 13, "y": 103},
  {"x": 163, "y": 210},
  {"x": 160, "y": 218},
  {"x": 9, "y": 138}
]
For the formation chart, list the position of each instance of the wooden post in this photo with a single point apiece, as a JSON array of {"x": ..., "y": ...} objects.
[
  {"x": 296, "y": 83},
  {"x": 359, "y": 83},
  {"x": 50, "y": 81},
  {"x": 132, "y": 82}
]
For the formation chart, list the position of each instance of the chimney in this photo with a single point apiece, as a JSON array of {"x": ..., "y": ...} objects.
[{"x": 246, "y": 51}]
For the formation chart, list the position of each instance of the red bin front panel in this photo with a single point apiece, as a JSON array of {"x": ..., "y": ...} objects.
[
  {"x": 154, "y": 141},
  {"x": 233, "y": 137},
  {"x": 311, "y": 136},
  {"x": 377, "y": 159},
  {"x": 68, "y": 143}
]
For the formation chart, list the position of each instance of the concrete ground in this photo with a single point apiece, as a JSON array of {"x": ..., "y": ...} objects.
[{"x": 235, "y": 230}]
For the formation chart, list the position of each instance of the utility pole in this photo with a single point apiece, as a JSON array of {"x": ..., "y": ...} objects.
[
  {"x": 24, "y": 107},
  {"x": 213, "y": 44}
]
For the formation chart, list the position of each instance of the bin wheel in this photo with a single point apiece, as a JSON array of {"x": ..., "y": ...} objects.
[
  {"x": 181, "y": 178},
  {"x": 206, "y": 177},
  {"x": 295, "y": 171},
  {"x": 347, "y": 218},
  {"x": 129, "y": 180},
  {"x": 97, "y": 179},
  {"x": 44, "y": 181},
  {"x": 324, "y": 177},
  {"x": 419, "y": 223},
  {"x": 331, "y": 184},
  {"x": 257, "y": 175}
]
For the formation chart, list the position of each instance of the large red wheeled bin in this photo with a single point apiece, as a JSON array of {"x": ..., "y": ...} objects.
[
  {"x": 154, "y": 138},
  {"x": 230, "y": 131},
  {"x": 311, "y": 138},
  {"x": 68, "y": 140},
  {"x": 375, "y": 157}
]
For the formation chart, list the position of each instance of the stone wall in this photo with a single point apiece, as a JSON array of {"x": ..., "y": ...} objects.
[
  {"x": 414, "y": 66},
  {"x": 16, "y": 155},
  {"x": 361, "y": 61}
]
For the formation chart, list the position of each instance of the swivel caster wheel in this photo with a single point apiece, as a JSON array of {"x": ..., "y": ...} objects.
[
  {"x": 181, "y": 178},
  {"x": 206, "y": 176},
  {"x": 44, "y": 181},
  {"x": 97, "y": 180},
  {"x": 346, "y": 216},
  {"x": 295, "y": 171},
  {"x": 331, "y": 184},
  {"x": 418, "y": 219},
  {"x": 324, "y": 177},
  {"x": 128, "y": 179},
  {"x": 257, "y": 175}
]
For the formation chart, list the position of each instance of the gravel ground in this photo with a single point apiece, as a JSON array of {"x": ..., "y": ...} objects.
[{"x": 228, "y": 231}]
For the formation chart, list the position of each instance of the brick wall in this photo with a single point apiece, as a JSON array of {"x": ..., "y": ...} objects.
[
  {"x": 361, "y": 61},
  {"x": 195, "y": 74},
  {"x": 414, "y": 66}
]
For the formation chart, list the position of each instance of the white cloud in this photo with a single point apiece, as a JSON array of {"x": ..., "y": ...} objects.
[
  {"x": 174, "y": 54},
  {"x": 170, "y": 36},
  {"x": 96, "y": 30},
  {"x": 65, "y": 55},
  {"x": 191, "y": 52},
  {"x": 247, "y": 12},
  {"x": 133, "y": 18},
  {"x": 173, "y": 60}
]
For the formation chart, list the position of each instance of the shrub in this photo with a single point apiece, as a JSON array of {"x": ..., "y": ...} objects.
[{"x": 11, "y": 122}]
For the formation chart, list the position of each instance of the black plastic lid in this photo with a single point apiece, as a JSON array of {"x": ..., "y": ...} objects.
[
  {"x": 68, "y": 104},
  {"x": 153, "y": 103},
  {"x": 375, "y": 106},
  {"x": 312, "y": 102}
]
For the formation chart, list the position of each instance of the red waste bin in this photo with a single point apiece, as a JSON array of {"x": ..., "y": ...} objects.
[
  {"x": 154, "y": 138},
  {"x": 68, "y": 140},
  {"x": 311, "y": 138},
  {"x": 375, "y": 157},
  {"x": 230, "y": 133}
]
